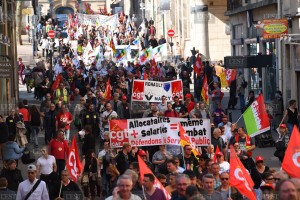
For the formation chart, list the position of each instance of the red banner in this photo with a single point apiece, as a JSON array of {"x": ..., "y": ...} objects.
[{"x": 118, "y": 132}]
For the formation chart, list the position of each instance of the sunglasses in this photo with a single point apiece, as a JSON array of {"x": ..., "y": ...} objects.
[
  {"x": 269, "y": 179},
  {"x": 223, "y": 179}
]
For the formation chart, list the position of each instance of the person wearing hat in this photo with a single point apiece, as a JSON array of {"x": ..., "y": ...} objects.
[
  {"x": 143, "y": 155},
  {"x": 189, "y": 103},
  {"x": 12, "y": 174},
  {"x": 32, "y": 188},
  {"x": 260, "y": 166},
  {"x": 282, "y": 142}
]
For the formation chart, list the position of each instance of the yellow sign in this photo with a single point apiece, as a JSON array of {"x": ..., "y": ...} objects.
[{"x": 27, "y": 11}]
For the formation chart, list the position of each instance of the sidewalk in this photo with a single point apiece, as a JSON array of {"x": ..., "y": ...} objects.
[{"x": 25, "y": 51}]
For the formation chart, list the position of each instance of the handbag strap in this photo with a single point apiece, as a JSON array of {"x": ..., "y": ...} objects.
[{"x": 32, "y": 189}]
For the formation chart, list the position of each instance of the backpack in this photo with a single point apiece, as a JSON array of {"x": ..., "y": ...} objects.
[
  {"x": 244, "y": 84},
  {"x": 26, "y": 158}
]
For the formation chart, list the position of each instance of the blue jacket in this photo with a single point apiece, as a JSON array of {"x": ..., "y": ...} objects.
[{"x": 12, "y": 151}]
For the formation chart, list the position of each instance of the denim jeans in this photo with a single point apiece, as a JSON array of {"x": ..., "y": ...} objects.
[
  {"x": 35, "y": 131},
  {"x": 290, "y": 127},
  {"x": 242, "y": 101}
]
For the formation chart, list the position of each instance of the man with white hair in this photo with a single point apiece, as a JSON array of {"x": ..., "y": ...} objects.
[{"x": 123, "y": 189}]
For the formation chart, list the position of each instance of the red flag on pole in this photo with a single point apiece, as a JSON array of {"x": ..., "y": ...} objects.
[
  {"x": 145, "y": 170},
  {"x": 198, "y": 67},
  {"x": 239, "y": 177},
  {"x": 153, "y": 67},
  {"x": 216, "y": 152},
  {"x": 145, "y": 75},
  {"x": 56, "y": 82},
  {"x": 230, "y": 75},
  {"x": 204, "y": 91},
  {"x": 291, "y": 161},
  {"x": 108, "y": 95},
  {"x": 186, "y": 140},
  {"x": 73, "y": 163}
]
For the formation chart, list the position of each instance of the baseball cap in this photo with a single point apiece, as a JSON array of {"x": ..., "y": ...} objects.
[
  {"x": 282, "y": 126},
  {"x": 31, "y": 168},
  {"x": 188, "y": 96},
  {"x": 142, "y": 153},
  {"x": 124, "y": 97},
  {"x": 259, "y": 158},
  {"x": 220, "y": 154}
]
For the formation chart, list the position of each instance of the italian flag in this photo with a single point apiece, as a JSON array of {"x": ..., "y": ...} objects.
[{"x": 256, "y": 117}]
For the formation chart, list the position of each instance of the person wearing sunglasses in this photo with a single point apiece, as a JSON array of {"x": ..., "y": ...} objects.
[{"x": 226, "y": 190}]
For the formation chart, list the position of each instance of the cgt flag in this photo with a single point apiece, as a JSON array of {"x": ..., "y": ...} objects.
[
  {"x": 291, "y": 161},
  {"x": 256, "y": 118},
  {"x": 239, "y": 177},
  {"x": 198, "y": 67},
  {"x": 145, "y": 170},
  {"x": 230, "y": 75},
  {"x": 186, "y": 140},
  {"x": 73, "y": 164},
  {"x": 56, "y": 82}
]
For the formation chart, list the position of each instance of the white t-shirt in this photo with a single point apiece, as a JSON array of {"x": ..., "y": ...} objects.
[
  {"x": 46, "y": 165},
  {"x": 224, "y": 167},
  {"x": 105, "y": 114}
]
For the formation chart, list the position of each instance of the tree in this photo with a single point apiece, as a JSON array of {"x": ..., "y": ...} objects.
[{"x": 19, "y": 7}]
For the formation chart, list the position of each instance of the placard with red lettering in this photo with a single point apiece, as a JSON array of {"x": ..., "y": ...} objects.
[
  {"x": 152, "y": 91},
  {"x": 157, "y": 131}
]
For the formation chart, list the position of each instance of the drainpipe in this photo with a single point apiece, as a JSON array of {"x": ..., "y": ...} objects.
[{"x": 279, "y": 52}]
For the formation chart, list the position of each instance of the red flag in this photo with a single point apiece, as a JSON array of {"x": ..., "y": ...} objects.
[
  {"x": 145, "y": 75},
  {"x": 145, "y": 170},
  {"x": 291, "y": 161},
  {"x": 73, "y": 163},
  {"x": 230, "y": 75},
  {"x": 153, "y": 67},
  {"x": 56, "y": 82},
  {"x": 198, "y": 67},
  {"x": 216, "y": 152},
  {"x": 108, "y": 95},
  {"x": 186, "y": 140},
  {"x": 239, "y": 177},
  {"x": 204, "y": 91}
]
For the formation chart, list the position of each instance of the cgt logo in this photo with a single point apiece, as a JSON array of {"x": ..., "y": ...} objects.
[
  {"x": 119, "y": 135},
  {"x": 237, "y": 171},
  {"x": 138, "y": 95}
]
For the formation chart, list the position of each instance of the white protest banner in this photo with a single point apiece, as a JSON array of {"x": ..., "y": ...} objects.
[
  {"x": 88, "y": 19},
  {"x": 152, "y": 91},
  {"x": 158, "y": 131}
]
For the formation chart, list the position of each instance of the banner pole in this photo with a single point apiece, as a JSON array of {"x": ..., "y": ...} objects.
[
  {"x": 183, "y": 157},
  {"x": 239, "y": 118}
]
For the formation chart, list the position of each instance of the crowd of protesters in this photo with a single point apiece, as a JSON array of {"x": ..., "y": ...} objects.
[{"x": 80, "y": 100}]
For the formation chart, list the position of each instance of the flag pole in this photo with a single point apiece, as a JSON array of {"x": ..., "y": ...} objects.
[
  {"x": 239, "y": 118},
  {"x": 183, "y": 157}
]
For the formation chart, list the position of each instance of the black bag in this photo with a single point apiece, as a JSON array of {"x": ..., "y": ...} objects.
[
  {"x": 279, "y": 154},
  {"x": 280, "y": 146},
  {"x": 244, "y": 84},
  {"x": 26, "y": 157}
]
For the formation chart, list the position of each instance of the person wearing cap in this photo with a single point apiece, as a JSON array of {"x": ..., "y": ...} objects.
[
  {"x": 125, "y": 108},
  {"x": 26, "y": 186},
  {"x": 189, "y": 103},
  {"x": 282, "y": 142},
  {"x": 12, "y": 174},
  {"x": 260, "y": 167},
  {"x": 267, "y": 191},
  {"x": 143, "y": 155},
  {"x": 224, "y": 165}
]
